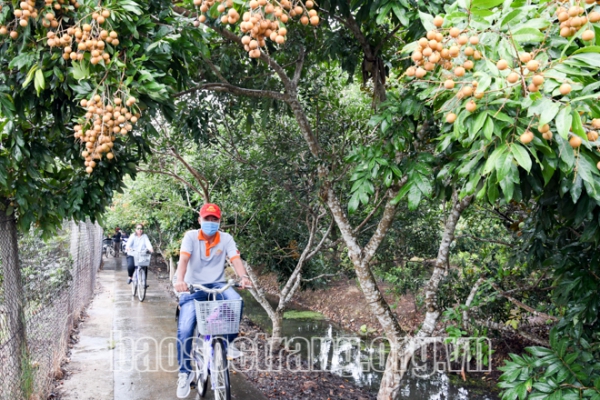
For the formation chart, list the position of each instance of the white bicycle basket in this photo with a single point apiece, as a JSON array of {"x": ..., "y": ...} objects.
[
  {"x": 142, "y": 259},
  {"x": 220, "y": 317}
]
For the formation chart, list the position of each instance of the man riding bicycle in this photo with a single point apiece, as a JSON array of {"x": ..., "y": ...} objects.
[{"x": 202, "y": 261}]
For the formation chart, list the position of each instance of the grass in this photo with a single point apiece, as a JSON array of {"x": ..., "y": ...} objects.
[{"x": 303, "y": 315}]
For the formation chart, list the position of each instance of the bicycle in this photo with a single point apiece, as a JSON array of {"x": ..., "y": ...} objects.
[
  {"x": 138, "y": 281},
  {"x": 214, "y": 318},
  {"x": 107, "y": 248}
]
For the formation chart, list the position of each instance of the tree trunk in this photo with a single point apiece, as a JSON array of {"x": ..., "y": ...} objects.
[
  {"x": 14, "y": 303},
  {"x": 395, "y": 368},
  {"x": 276, "y": 338}
]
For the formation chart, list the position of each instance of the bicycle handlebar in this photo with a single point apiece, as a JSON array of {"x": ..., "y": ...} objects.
[{"x": 230, "y": 283}]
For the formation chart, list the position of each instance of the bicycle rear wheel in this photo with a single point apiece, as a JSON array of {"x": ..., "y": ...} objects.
[
  {"x": 201, "y": 370},
  {"x": 134, "y": 283},
  {"x": 220, "y": 371},
  {"x": 141, "y": 284}
]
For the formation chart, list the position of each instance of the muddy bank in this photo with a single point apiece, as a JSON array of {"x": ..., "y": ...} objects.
[{"x": 343, "y": 303}]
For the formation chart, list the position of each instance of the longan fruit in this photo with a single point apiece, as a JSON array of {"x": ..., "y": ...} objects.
[
  {"x": 454, "y": 32},
  {"x": 471, "y": 106},
  {"x": 459, "y": 71},
  {"x": 449, "y": 84},
  {"x": 544, "y": 128},
  {"x": 538, "y": 80},
  {"x": 588, "y": 35},
  {"x": 565, "y": 89},
  {"x": 450, "y": 118},
  {"x": 502, "y": 65},
  {"x": 513, "y": 77},
  {"x": 575, "y": 141},
  {"x": 526, "y": 137},
  {"x": 547, "y": 135},
  {"x": 533, "y": 65},
  {"x": 438, "y": 21},
  {"x": 525, "y": 57}
]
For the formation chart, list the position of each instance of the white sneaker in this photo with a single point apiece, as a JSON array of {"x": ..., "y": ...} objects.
[
  {"x": 183, "y": 384},
  {"x": 233, "y": 352}
]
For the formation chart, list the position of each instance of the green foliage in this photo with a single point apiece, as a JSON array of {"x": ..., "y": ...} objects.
[
  {"x": 41, "y": 173},
  {"x": 558, "y": 372}
]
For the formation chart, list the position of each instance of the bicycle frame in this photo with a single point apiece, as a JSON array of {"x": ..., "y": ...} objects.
[{"x": 212, "y": 359}]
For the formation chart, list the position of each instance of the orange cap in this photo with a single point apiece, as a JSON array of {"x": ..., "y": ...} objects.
[{"x": 210, "y": 209}]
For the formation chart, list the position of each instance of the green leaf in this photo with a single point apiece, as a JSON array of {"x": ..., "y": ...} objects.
[
  {"x": 400, "y": 14},
  {"x": 577, "y": 126},
  {"x": 548, "y": 171},
  {"x": 427, "y": 21},
  {"x": 522, "y": 156},
  {"x": 414, "y": 198},
  {"x": 549, "y": 112},
  {"x": 503, "y": 166},
  {"x": 478, "y": 123},
  {"x": 79, "y": 70},
  {"x": 591, "y": 59},
  {"x": 488, "y": 128},
  {"x": 486, "y": 4},
  {"x": 39, "y": 82},
  {"x": 491, "y": 162},
  {"x": 563, "y": 122},
  {"x": 528, "y": 35},
  {"x": 588, "y": 49},
  {"x": 30, "y": 75},
  {"x": 353, "y": 203}
]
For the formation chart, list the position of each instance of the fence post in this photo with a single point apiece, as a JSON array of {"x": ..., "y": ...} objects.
[{"x": 16, "y": 346}]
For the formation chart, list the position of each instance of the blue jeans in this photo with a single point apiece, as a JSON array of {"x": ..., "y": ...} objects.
[{"x": 187, "y": 322}]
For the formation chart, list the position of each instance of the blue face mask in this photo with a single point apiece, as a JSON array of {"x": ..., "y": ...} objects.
[{"x": 209, "y": 228}]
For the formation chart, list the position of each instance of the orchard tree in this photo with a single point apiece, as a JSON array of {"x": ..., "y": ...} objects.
[
  {"x": 516, "y": 89},
  {"x": 72, "y": 73}
]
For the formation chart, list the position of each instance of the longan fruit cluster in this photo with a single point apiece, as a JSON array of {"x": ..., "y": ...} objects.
[
  {"x": 78, "y": 40},
  {"x": 27, "y": 11},
  {"x": 528, "y": 69},
  {"x": 104, "y": 120},
  {"x": 264, "y": 19},
  {"x": 438, "y": 50},
  {"x": 572, "y": 19}
]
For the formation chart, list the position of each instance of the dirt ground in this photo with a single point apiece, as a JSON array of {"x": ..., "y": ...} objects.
[{"x": 343, "y": 303}]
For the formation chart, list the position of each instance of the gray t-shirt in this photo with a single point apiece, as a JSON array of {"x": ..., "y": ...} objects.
[{"x": 207, "y": 265}]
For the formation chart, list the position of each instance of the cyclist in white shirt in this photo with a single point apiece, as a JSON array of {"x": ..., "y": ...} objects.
[
  {"x": 140, "y": 243},
  {"x": 202, "y": 261}
]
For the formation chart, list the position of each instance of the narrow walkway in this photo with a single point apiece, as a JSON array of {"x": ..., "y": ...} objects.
[{"x": 127, "y": 349}]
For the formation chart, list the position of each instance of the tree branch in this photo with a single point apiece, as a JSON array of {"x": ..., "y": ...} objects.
[
  {"x": 299, "y": 65},
  {"x": 228, "y": 88},
  {"x": 150, "y": 171},
  {"x": 522, "y": 305},
  {"x": 485, "y": 240},
  {"x": 202, "y": 181}
]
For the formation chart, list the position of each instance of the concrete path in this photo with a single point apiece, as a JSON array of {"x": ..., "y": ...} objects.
[{"x": 127, "y": 349}]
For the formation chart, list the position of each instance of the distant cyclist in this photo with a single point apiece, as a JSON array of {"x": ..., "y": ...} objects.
[
  {"x": 202, "y": 260},
  {"x": 138, "y": 242},
  {"x": 117, "y": 241}
]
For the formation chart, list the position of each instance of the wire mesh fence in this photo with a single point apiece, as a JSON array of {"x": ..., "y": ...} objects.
[{"x": 57, "y": 279}]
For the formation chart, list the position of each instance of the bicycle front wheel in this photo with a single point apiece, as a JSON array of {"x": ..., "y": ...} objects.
[
  {"x": 141, "y": 284},
  {"x": 201, "y": 368},
  {"x": 134, "y": 283},
  {"x": 110, "y": 251},
  {"x": 220, "y": 371}
]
